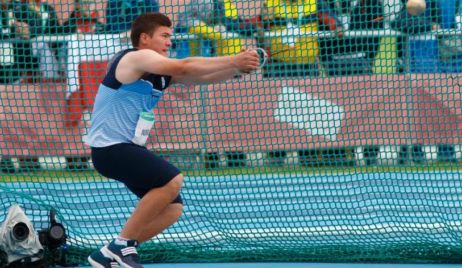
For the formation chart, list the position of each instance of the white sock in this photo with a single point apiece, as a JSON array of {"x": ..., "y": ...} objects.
[{"x": 121, "y": 241}]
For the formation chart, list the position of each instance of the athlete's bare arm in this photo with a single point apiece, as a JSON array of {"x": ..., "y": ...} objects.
[{"x": 187, "y": 71}]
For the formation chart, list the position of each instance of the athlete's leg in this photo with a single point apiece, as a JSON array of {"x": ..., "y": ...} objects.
[
  {"x": 150, "y": 207},
  {"x": 150, "y": 178},
  {"x": 166, "y": 218}
]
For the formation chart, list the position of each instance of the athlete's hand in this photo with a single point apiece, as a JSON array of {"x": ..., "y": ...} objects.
[{"x": 247, "y": 61}]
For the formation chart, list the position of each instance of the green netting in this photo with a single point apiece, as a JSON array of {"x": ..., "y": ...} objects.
[{"x": 344, "y": 147}]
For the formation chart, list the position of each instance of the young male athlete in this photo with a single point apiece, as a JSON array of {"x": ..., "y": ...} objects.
[{"x": 122, "y": 117}]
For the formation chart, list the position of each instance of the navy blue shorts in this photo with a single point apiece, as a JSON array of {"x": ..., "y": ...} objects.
[{"x": 135, "y": 166}]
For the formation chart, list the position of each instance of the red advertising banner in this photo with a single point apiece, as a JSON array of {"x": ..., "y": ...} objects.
[
  {"x": 255, "y": 114},
  {"x": 331, "y": 112}
]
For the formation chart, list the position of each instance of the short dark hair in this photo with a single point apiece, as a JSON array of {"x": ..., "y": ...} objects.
[{"x": 147, "y": 23}]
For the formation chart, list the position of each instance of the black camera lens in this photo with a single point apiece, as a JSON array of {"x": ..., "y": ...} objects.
[
  {"x": 57, "y": 232},
  {"x": 20, "y": 231}
]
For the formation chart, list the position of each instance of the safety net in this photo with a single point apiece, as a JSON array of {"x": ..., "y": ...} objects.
[{"x": 344, "y": 146}]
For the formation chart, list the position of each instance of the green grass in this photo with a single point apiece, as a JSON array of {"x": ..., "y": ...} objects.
[{"x": 55, "y": 176}]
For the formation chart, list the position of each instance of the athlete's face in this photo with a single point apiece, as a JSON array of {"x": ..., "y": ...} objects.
[{"x": 160, "y": 41}]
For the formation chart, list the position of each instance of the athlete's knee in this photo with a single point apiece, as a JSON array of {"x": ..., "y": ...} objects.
[
  {"x": 174, "y": 185},
  {"x": 176, "y": 210}
]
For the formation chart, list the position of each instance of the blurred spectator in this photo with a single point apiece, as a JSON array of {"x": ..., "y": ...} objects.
[
  {"x": 392, "y": 10},
  {"x": 450, "y": 47},
  {"x": 451, "y": 62},
  {"x": 121, "y": 13},
  {"x": 13, "y": 52},
  {"x": 40, "y": 16},
  {"x": 214, "y": 22},
  {"x": 85, "y": 19},
  {"x": 342, "y": 55},
  {"x": 42, "y": 20},
  {"x": 422, "y": 51},
  {"x": 217, "y": 23},
  {"x": 292, "y": 52},
  {"x": 14, "y": 59},
  {"x": 409, "y": 25},
  {"x": 423, "y": 54},
  {"x": 354, "y": 55}
]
